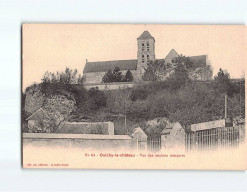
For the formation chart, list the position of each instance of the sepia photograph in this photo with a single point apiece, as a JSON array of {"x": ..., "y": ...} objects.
[{"x": 133, "y": 96}]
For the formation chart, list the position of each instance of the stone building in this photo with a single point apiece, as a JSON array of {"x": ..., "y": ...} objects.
[
  {"x": 94, "y": 71},
  {"x": 173, "y": 137}
]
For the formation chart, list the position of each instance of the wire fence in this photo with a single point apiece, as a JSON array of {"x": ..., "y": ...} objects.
[
  {"x": 212, "y": 139},
  {"x": 153, "y": 145}
]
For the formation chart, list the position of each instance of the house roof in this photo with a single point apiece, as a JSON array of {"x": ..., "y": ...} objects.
[
  {"x": 145, "y": 35},
  {"x": 40, "y": 114},
  {"x": 166, "y": 131},
  {"x": 208, "y": 125},
  {"x": 168, "y": 128},
  {"x": 104, "y": 66},
  {"x": 171, "y": 126},
  {"x": 138, "y": 130}
]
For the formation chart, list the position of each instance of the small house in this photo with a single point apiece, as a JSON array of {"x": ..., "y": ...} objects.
[{"x": 39, "y": 122}]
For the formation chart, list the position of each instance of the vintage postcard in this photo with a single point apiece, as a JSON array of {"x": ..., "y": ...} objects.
[{"x": 125, "y": 96}]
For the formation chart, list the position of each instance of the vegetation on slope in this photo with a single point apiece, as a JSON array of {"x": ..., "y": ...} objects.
[{"x": 177, "y": 99}]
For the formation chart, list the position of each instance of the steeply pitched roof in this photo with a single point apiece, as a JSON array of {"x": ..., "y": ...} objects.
[
  {"x": 138, "y": 130},
  {"x": 166, "y": 131},
  {"x": 171, "y": 55},
  {"x": 145, "y": 35},
  {"x": 198, "y": 60},
  {"x": 40, "y": 114},
  {"x": 170, "y": 127},
  {"x": 106, "y": 65}
]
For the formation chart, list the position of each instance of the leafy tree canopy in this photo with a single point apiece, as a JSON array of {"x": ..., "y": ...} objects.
[
  {"x": 116, "y": 76},
  {"x": 222, "y": 83}
]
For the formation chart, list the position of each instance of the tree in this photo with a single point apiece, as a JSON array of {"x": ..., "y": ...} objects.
[
  {"x": 128, "y": 77},
  {"x": 118, "y": 77},
  {"x": 186, "y": 61},
  {"x": 81, "y": 79},
  {"x": 59, "y": 108},
  {"x": 113, "y": 76},
  {"x": 121, "y": 104},
  {"x": 96, "y": 99},
  {"x": 139, "y": 94},
  {"x": 153, "y": 70},
  {"x": 69, "y": 76},
  {"x": 108, "y": 77},
  {"x": 205, "y": 72},
  {"x": 179, "y": 77},
  {"x": 222, "y": 83}
]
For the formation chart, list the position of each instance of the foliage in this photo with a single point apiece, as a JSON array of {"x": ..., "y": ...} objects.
[
  {"x": 178, "y": 99},
  {"x": 34, "y": 99},
  {"x": 59, "y": 108},
  {"x": 108, "y": 77},
  {"x": 139, "y": 94},
  {"x": 120, "y": 102},
  {"x": 116, "y": 76},
  {"x": 222, "y": 83},
  {"x": 179, "y": 77},
  {"x": 186, "y": 61},
  {"x": 128, "y": 77},
  {"x": 97, "y": 98},
  {"x": 160, "y": 70},
  {"x": 153, "y": 128},
  {"x": 113, "y": 76},
  {"x": 67, "y": 77},
  {"x": 155, "y": 70}
]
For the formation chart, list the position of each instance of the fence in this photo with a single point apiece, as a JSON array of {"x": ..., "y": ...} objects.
[
  {"x": 153, "y": 145},
  {"x": 213, "y": 139}
]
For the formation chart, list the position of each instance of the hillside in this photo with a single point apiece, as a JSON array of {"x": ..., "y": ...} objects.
[{"x": 173, "y": 100}]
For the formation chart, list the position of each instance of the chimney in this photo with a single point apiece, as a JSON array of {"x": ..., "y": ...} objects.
[{"x": 86, "y": 60}]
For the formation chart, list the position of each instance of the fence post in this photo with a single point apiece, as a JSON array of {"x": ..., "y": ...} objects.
[{"x": 137, "y": 144}]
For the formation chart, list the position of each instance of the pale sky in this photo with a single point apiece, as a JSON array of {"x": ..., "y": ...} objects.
[{"x": 52, "y": 47}]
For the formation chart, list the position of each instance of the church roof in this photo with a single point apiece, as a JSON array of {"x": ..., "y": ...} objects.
[
  {"x": 104, "y": 66},
  {"x": 171, "y": 55},
  {"x": 145, "y": 35},
  {"x": 198, "y": 60}
]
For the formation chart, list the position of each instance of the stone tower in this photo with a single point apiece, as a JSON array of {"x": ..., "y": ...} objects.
[{"x": 145, "y": 53}]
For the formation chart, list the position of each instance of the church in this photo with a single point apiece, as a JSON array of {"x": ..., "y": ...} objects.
[{"x": 94, "y": 71}]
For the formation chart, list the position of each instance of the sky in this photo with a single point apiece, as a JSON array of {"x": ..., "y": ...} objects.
[{"x": 52, "y": 47}]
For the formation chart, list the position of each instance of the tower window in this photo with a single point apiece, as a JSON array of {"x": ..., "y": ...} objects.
[
  {"x": 147, "y": 46},
  {"x": 142, "y": 46},
  {"x": 142, "y": 58},
  {"x": 147, "y": 58}
]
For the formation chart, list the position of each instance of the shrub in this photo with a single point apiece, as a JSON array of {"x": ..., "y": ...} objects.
[{"x": 139, "y": 94}]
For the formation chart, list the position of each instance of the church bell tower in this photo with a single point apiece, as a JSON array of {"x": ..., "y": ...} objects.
[{"x": 145, "y": 53}]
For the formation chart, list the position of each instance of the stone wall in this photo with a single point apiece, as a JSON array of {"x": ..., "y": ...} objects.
[
  {"x": 84, "y": 141},
  {"x": 106, "y": 128},
  {"x": 110, "y": 86}
]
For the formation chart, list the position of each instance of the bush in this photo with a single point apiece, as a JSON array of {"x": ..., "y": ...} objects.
[
  {"x": 97, "y": 98},
  {"x": 139, "y": 94}
]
